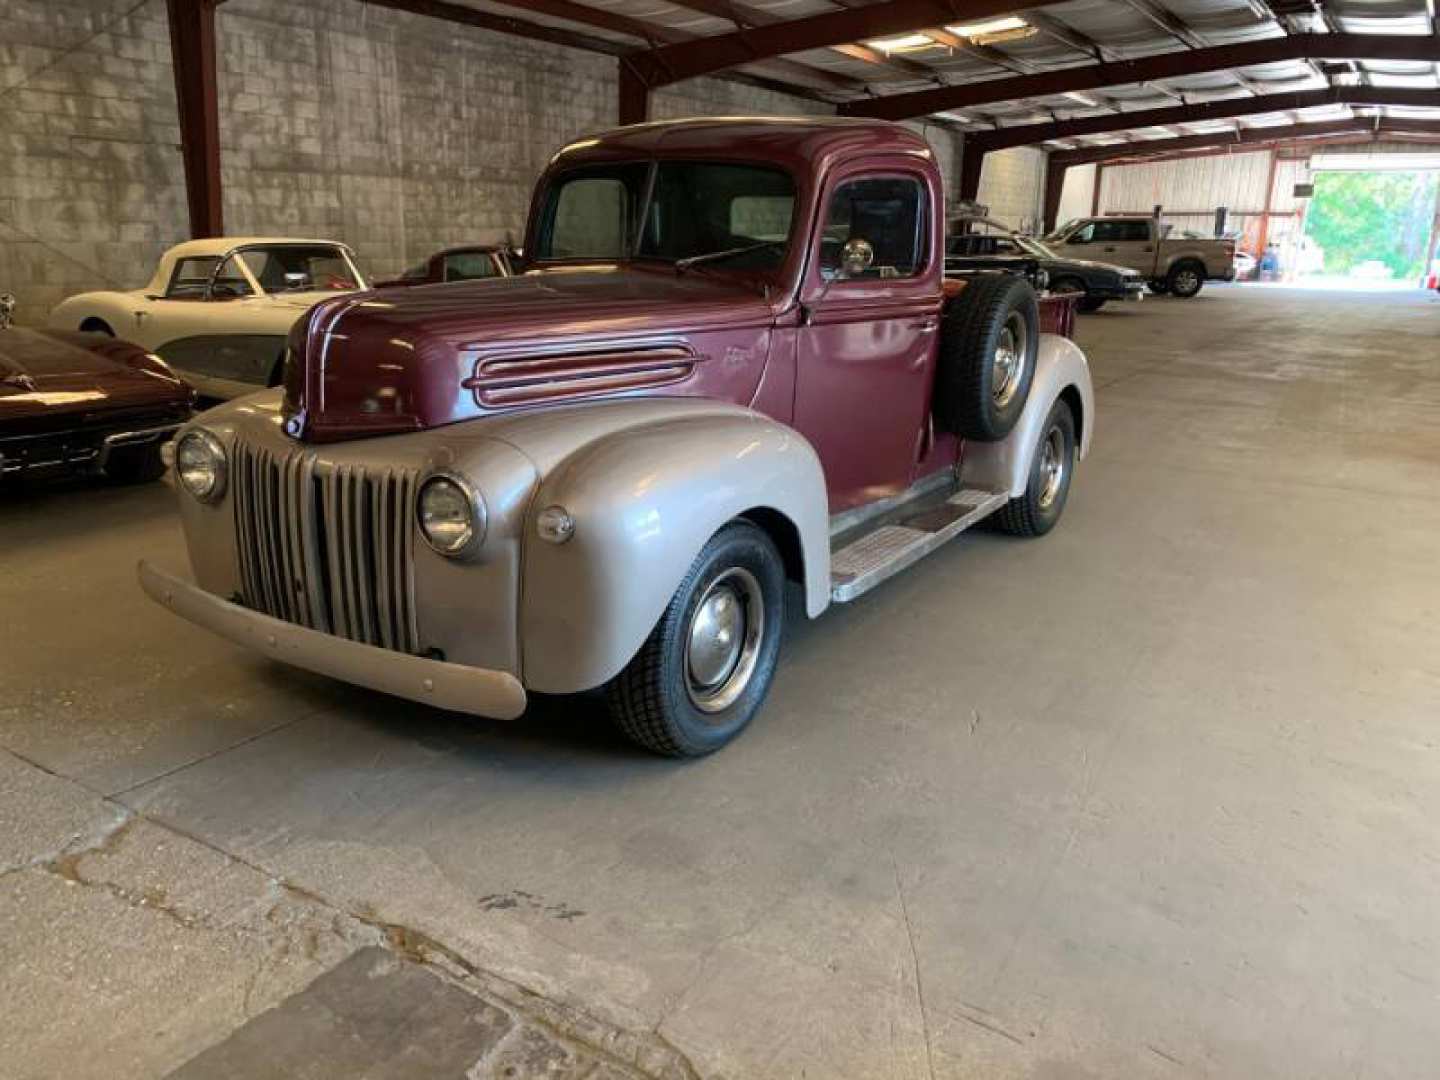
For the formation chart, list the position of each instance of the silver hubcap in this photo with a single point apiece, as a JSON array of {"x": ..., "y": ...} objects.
[
  {"x": 1185, "y": 281},
  {"x": 723, "y": 643},
  {"x": 1009, "y": 360},
  {"x": 1052, "y": 467}
]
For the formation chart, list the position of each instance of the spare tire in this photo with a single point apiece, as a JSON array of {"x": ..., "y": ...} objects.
[{"x": 989, "y": 337}]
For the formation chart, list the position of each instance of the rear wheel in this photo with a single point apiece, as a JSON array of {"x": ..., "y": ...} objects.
[
  {"x": 705, "y": 669},
  {"x": 1036, "y": 511},
  {"x": 93, "y": 325},
  {"x": 1159, "y": 288},
  {"x": 990, "y": 335},
  {"x": 1185, "y": 279}
]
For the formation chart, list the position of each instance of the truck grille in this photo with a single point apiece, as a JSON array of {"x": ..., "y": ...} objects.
[{"x": 327, "y": 546}]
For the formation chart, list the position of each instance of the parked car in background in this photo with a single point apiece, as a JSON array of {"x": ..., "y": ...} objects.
[
  {"x": 469, "y": 262},
  {"x": 83, "y": 403},
  {"x": 1245, "y": 265},
  {"x": 1177, "y": 266},
  {"x": 974, "y": 241},
  {"x": 605, "y": 470},
  {"x": 217, "y": 311}
]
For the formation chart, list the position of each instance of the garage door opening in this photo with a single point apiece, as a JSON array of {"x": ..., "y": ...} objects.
[{"x": 1371, "y": 224}]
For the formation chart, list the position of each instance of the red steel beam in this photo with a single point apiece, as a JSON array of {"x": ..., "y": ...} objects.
[
  {"x": 1388, "y": 128},
  {"x": 1147, "y": 69},
  {"x": 1029, "y": 134},
  {"x": 634, "y": 96},
  {"x": 192, "y": 52},
  {"x": 708, "y": 55}
]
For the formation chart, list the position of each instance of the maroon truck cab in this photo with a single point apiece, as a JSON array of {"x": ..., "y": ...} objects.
[{"x": 848, "y": 361}]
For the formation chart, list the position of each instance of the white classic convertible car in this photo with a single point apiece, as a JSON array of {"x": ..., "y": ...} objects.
[{"x": 218, "y": 310}]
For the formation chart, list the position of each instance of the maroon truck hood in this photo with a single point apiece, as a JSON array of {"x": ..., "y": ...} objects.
[
  {"x": 434, "y": 354},
  {"x": 46, "y": 373}
]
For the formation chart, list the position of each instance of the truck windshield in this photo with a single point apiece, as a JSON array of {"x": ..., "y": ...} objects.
[{"x": 670, "y": 210}]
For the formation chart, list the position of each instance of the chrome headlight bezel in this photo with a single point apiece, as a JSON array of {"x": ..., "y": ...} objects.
[
  {"x": 468, "y": 545},
  {"x": 219, "y": 464}
]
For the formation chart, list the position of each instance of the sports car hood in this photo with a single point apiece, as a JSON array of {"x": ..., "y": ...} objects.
[
  {"x": 44, "y": 371},
  {"x": 397, "y": 361}
]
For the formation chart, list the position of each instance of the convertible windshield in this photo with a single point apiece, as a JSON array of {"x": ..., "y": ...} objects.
[
  {"x": 293, "y": 268},
  {"x": 735, "y": 216}
]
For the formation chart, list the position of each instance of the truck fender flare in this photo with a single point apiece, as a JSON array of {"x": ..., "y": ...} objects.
[
  {"x": 644, "y": 500},
  {"x": 1061, "y": 370}
]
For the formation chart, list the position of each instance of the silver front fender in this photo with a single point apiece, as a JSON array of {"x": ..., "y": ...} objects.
[
  {"x": 1060, "y": 369},
  {"x": 645, "y": 500}
]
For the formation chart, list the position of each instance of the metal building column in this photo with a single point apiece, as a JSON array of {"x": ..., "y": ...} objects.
[
  {"x": 634, "y": 94},
  {"x": 972, "y": 161},
  {"x": 1054, "y": 188},
  {"x": 192, "y": 51}
]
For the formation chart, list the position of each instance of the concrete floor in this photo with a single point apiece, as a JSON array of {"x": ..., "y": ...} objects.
[{"x": 1154, "y": 796}]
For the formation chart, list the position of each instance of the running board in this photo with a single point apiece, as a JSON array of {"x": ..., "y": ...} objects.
[{"x": 864, "y": 563}]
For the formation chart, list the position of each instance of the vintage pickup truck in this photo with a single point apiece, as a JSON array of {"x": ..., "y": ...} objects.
[
  {"x": 734, "y": 363},
  {"x": 1178, "y": 266}
]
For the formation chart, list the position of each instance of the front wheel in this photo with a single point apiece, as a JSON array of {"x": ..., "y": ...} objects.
[
  {"x": 1036, "y": 512},
  {"x": 1091, "y": 304},
  {"x": 705, "y": 669},
  {"x": 1158, "y": 288}
]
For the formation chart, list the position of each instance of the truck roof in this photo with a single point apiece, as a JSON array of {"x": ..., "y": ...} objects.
[{"x": 791, "y": 141}]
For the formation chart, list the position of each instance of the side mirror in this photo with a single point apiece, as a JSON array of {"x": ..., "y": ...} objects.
[{"x": 856, "y": 257}]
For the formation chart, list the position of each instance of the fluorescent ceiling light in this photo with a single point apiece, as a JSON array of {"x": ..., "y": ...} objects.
[
  {"x": 903, "y": 43},
  {"x": 990, "y": 26},
  {"x": 1083, "y": 99}
]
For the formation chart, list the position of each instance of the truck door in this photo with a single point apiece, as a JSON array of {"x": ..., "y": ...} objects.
[
  {"x": 869, "y": 325},
  {"x": 1125, "y": 242}
]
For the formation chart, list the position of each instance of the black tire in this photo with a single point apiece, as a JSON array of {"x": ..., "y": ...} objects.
[
  {"x": 1186, "y": 278},
  {"x": 93, "y": 325},
  {"x": 1036, "y": 512},
  {"x": 1091, "y": 304},
  {"x": 135, "y": 464},
  {"x": 973, "y": 327},
  {"x": 656, "y": 701},
  {"x": 1159, "y": 288}
]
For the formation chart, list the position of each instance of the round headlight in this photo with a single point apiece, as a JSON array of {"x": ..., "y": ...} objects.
[
  {"x": 452, "y": 517},
  {"x": 200, "y": 465}
]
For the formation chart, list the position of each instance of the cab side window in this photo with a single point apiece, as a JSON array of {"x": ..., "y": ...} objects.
[
  {"x": 1083, "y": 235},
  {"x": 887, "y": 214}
]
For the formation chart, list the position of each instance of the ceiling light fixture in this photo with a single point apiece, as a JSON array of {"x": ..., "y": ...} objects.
[
  {"x": 1083, "y": 99},
  {"x": 903, "y": 43},
  {"x": 991, "y": 27}
]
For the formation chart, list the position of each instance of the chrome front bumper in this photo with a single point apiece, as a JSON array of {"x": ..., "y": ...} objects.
[{"x": 478, "y": 691}]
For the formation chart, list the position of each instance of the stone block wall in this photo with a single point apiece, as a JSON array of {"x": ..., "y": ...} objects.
[
  {"x": 396, "y": 133},
  {"x": 91, "y": 184}
]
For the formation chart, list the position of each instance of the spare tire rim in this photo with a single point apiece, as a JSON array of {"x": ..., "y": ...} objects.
[
  {"x": 1008, "y": 363},
  {"x": 722, "y": 643},
  {"x": 1052, "y": 467},
  {"x": 1185, "y": 280}
]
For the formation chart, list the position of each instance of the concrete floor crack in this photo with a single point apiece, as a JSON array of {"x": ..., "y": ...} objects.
[{"x": 915, "y": 964}]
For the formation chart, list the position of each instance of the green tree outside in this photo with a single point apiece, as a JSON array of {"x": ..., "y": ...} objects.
[{"x": 1359, "y": 216}]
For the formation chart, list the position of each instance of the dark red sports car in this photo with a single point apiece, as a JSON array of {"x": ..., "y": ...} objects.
[
  {"x": 469, "y": 262},
  {"x": 84, "y": 403}
]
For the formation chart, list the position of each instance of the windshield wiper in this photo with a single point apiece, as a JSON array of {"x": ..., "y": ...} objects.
[{"x": 711, "y": 256}]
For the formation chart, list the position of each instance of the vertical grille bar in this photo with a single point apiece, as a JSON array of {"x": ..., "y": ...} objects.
[{"x": 330, "y": 547}]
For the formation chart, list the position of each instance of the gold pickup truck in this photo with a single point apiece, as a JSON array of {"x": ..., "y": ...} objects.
[{"x": 1178, "y": 267}]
